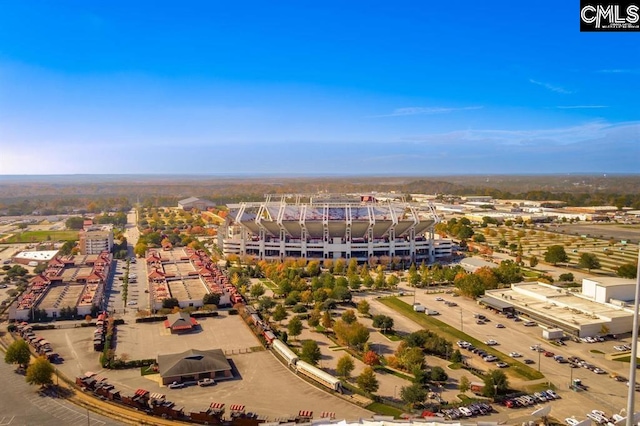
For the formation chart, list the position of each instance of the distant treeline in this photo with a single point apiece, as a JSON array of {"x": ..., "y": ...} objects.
[{"x": 93, "y": 196}]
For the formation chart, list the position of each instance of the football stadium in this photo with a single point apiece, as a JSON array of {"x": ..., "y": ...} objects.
[{"x": 332, "y": 227}]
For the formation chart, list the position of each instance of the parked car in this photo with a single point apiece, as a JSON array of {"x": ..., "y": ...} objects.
[
  {"x": 176, "y": 385},
  {"x": 571, "y": 421},
  {"x": 206, "y": 382}
]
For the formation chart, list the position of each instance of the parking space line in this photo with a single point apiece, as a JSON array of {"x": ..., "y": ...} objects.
[{"x": 5, "y": 422}]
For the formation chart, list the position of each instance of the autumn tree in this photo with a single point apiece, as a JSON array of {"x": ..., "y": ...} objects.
[
  {"x": 18, "y": 353},
  {"x": 364, "y": 307},
  {"x": 40, "y": 372},
  {"x": 327, "y": 321},
  {"x": 367, "y": 380},
  {"x": 349, "y": 316},
  {"x": 345, "y": 366},
  {"x": 371, "y": 358}
]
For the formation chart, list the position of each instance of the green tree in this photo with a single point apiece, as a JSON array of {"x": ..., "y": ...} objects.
[
  {"x": 456, "y": 356},
  {"x": 555, "y": 254},
  {"x": 18, "y": 353},
  {"x": 310, "y": 352},
  {"x": 257, "y": 290},
  {"x": 211, "y": 299},
  {"x": 413, "y": 276},
  {"x": 367, "y": 380},
  {"x": 464, "y": 384},
  {"x": 74, "y": 223},
  {"x": 170, "y": 303},
  {"x": 294, "y": 327},
  {"x": 355, "y": 282},
  {"x": 628, "y": 270},
  {"x": 279, "y": 313},
  {"x": 383, "y": 322},
  {"x": 438, "y": 374},
  {"x": 568, "y": 277},
  {"x": 40, "y": 372},
  {"x": 413, "y": 394},
  {"x": 495, "y": 380},
  {"x": 364, "y": 307},
  {"x": 367, "y": 281},
  {"x": 533, "y": 261},
  {"x": 589, "y": 261},
  {"x": 345, "y": 366},
  {"x": 349, "y": 316}
]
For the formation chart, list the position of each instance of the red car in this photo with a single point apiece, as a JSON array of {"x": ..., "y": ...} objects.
[{"x": 549, "y": 354}]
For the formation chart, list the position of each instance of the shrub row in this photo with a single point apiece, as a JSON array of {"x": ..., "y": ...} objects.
[
  {"x": 157, "y": 318},
  {"x": 204, "y": 314}
]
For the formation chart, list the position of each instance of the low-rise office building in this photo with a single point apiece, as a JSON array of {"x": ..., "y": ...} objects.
[{"x": 602, "y": 306}]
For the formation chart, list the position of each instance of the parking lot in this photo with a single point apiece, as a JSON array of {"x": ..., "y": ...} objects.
[
  {"x": 603, "y": 393},
  {"x": 265, "y": 386}
]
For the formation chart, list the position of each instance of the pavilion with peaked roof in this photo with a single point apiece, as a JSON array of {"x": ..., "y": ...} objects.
[{"x": 180, "y": 322}]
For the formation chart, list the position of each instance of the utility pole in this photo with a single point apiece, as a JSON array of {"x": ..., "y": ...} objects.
[{"x": 634, "y": 353}]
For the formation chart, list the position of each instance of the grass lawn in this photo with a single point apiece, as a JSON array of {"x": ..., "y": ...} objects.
[
  {"x": 517, "y": 369},
  {"x": 41, "y": 236},
  {"x": 383, "y": 409}
]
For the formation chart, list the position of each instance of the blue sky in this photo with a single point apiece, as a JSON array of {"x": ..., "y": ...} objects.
[{"x": 403, "y": 87}]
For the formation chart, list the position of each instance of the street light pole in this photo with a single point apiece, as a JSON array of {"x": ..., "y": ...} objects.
[
  {"x": 634, "y": 353},
  {"x": 538, "y": 360},
  {"x": 461, "y": 327}
]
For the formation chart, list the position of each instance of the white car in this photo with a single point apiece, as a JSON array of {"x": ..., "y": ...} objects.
[
  {"x": 515, "y": 354},
  {"x": 571, "y": 421},
  {"x": 465, "y": 411},
  {"x": 552, "y": 394},
  {"x": 132, "y": 303},
  {"x": 491, "y": 342},
  {"x": 439, "y": 299}
]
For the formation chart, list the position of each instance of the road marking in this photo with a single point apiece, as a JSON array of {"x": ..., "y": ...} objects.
[{"x": 5, "y": 422}]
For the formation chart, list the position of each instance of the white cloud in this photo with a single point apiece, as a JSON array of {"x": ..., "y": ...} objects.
[
  {"x": 551, "y": 87},
  {"x": 619, "y": 71},
  {"x": 398, "y": 112},
  {"x": 596, "y": 130},
  {"x": 581, "y": 106}
]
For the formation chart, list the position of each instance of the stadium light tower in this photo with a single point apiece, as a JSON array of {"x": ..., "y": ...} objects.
[{"x": 634, "y": 351}]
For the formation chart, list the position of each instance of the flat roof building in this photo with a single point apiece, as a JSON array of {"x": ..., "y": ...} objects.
[{"x": 576, "y": 313}]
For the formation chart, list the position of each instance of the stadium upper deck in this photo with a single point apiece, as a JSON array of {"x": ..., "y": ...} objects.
[{"x": 330, "y": 228}]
